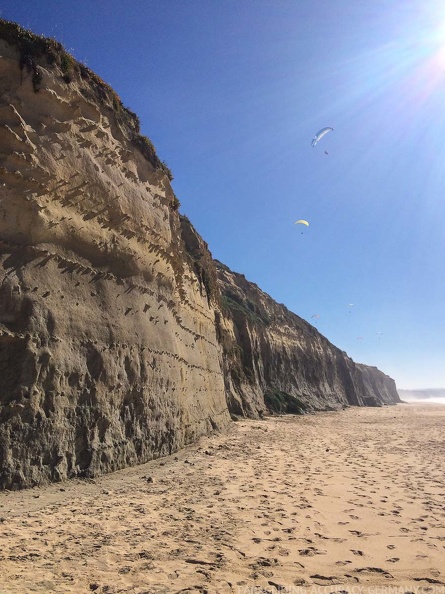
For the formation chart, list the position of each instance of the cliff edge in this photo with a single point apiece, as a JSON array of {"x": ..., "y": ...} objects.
[{"x": 121, "y": 339}]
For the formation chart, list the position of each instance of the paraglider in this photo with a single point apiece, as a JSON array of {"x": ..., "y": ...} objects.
[
  {"x": 320, "y": 135},
  {"x": 302, "y": 222}
]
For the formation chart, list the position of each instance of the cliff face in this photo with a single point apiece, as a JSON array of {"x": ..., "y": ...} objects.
[
  {"x": 108, "y": 347},
  {"x": 276, "y": 360},
  {"x": 120, "y": 340}
]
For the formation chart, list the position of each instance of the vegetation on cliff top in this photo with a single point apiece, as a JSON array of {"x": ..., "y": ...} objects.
[{"x": 33, "y": 47}]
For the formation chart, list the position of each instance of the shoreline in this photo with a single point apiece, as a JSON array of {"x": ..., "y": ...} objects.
[{"x": 350, "y": 500}]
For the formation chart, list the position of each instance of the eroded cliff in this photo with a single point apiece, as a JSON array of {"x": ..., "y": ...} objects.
[
  {"x": 120, "y": 339},
  {"x": 274, "y": 360},
  {"x": 108, "y": 348}
]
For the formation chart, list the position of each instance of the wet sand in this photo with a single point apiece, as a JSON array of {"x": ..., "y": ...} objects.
[{"x": 352, "y": 501}]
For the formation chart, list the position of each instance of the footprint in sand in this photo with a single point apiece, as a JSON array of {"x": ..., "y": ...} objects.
[{"x": 311, "y": 551}]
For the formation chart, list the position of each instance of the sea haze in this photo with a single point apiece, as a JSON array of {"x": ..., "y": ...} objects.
[{"x": 433, "y": 395}]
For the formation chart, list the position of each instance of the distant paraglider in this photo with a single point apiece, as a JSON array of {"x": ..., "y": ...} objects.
[
  {"x": 302, "y": 222},
  {"x": 320, "y": 135}
]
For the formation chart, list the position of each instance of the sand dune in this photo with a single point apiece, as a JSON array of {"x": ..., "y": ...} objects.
[{"x": 335, "y": 502}]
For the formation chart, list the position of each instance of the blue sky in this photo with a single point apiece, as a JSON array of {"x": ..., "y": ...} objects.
[{"x": 231, "y": 93}]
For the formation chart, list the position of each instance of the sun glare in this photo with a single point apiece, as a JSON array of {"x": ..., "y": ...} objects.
[
  {"x": 437, "y": 41},
  {"x": 421, "y": 56}
]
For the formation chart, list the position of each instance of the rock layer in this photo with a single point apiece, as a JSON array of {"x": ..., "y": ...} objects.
[{"x": 120, "y": 339}]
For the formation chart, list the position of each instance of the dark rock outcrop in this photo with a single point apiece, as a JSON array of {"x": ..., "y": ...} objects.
[{"x": 120, "y": 339}]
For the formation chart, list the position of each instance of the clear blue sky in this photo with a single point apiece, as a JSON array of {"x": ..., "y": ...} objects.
[{"x": 231, "y": 93}]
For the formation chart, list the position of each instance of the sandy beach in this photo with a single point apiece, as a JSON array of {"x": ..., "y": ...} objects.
[{"x": 350, "y": 501}]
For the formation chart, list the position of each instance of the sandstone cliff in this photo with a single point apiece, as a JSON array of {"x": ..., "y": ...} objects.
[
  {"x": 120, "y": 339},
  {"x": 108, "y": 348},
  {"x": 277, "y": 361}
]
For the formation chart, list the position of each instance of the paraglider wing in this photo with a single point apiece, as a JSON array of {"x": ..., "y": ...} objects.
[
  {"x": 302, "y": 222},
  {"x": 320, "y": 135}
]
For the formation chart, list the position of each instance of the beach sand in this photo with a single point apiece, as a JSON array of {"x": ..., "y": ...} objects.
[{"x": 350, "y": 501}]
